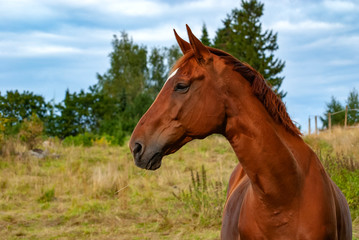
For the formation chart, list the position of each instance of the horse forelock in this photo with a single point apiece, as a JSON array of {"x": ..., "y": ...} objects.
[{"x": 274, "y": 105}]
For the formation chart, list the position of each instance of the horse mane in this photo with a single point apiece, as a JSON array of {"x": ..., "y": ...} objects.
[{"x": 273, "y": 104}]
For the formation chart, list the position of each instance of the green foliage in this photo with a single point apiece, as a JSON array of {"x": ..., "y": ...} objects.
[
  {"x": 83, "y": 112},
  {"x": 204, "y": 199},
  {"x": 205, "y": 38},
  {"x": 242, "y": 36},
  {"x": 16, "y": 107},
  {"x": 47, "y": 196},
  {"x": 86, "y": 139},
  {"x": 353, "y": 103},
  {"x": 335, "y": 106},
  {"x": 3, "y": 122},
  {"x": 128, "y": 71},
  {"x": 157, "y": 70},
  {"x": 173, "y": 54},
  {"x": 132, "y": 83},
  {"x": 31, "y": 131},
  {"x": 332, "y": 107}
]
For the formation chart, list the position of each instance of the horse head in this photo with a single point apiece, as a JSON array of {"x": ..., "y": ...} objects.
[{"x": 189, "y": 106}]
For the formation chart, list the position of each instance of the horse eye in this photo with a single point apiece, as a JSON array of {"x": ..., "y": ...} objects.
[{"x": 181, "y": 87}]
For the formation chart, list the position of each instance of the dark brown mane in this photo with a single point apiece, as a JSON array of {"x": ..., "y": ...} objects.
[{"x": 261, "y": 89}]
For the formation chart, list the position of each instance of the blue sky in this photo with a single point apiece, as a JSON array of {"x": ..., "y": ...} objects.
[{"x": 49, "y": 46}]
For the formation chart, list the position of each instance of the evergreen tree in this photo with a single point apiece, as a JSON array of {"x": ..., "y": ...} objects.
[
  {"x": 205, "y": 38},
  {"x": 353, "y": 103},
  {"x": 243, "y": 37},
  {"x": 332, "y": 107}
]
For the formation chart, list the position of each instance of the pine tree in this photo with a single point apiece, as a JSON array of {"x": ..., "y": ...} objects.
[
  {"x": 332, "y": 107},
  {"x": 205, "y": 38},
  {"x": 353, "y": 103},
  {"x": 243, "y": 37}
]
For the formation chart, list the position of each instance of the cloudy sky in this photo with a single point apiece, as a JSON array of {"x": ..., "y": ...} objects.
[{"x": 49, "y": 46}]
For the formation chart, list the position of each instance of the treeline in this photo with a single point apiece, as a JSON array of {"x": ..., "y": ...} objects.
[
  {"x": 111, "y": 107},
  {"x": 124, "y": 92},
  {"x": 335, "y": 106}
]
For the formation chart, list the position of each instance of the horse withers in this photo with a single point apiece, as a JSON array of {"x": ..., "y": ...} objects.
[{"x": 279, "y": 189}]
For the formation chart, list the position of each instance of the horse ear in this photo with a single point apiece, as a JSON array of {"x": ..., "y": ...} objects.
[
  {"x": 185, "y": 46},
  {"x": 201, "y": 52}
]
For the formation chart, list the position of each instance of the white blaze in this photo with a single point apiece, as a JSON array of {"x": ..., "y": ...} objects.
[{"x": 172, "y": 74}]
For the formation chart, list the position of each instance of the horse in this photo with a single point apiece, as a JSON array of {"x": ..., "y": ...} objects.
[{"x": 279, "y": 189}]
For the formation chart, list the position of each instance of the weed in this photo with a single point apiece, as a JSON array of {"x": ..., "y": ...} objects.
[
  {"x": 204, "y": 199},
  {"x": 47, "y": 196}
]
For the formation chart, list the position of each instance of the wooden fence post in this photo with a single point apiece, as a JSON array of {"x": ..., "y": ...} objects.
[
  {"x": 346, "y": 116},
  {"x": 329, "y": 122},
  {"x": 315, "y": 122},
  {"x": 309, "y": 126}
]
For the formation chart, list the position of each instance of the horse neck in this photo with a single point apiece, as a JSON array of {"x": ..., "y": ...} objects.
[{"x": 272, "y": 157}]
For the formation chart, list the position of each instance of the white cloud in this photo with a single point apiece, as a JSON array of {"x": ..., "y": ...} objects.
[
  {"x": 16, "y": 49},
  {"x": 342, "y": 62},
  {"x": 25, "y": 10},
  {"x": 66, "y": 41},
  {"x": 161, "y": 33},
  {"x": 345, "y": 41},
  {"x": 341, "y": 6},
  {"x": 304, "y": 26}
]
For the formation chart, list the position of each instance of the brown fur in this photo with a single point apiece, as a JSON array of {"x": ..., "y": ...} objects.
[{"x": 274, "y": 105}]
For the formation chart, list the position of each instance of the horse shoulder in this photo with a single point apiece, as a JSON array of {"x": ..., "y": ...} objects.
[{"x": 324, "y": 213}]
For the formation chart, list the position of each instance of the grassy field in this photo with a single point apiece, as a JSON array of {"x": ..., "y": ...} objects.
[{"x": 98, "y": 193}]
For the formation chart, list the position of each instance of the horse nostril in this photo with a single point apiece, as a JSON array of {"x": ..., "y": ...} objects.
[{"x": 137, "y": 150}]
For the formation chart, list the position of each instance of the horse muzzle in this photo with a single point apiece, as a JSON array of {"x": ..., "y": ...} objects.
[{"x": 150, "y": 159}]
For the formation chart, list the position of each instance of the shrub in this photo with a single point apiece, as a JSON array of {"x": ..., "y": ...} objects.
[
  {"x": 31, "y": 131},
  {"x": 85, "y": 140}
]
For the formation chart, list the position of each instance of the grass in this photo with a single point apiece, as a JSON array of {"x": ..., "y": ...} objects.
[{"x": 98, "y": 193}]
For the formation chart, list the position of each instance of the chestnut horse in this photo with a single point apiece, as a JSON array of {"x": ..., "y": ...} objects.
[{"x": 279, "y": 189}]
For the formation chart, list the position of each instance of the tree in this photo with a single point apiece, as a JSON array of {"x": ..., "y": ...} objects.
[
  {"x": 127, "y": 75},
  {"x": 16, "y": 107},
  {"x": 126, "y": 81},
  {"x": 205, "y": 38},
  {"x": 353, "y": 103},
  {"x": 172, "y": 54},
  {"x": 157, "y": 70},
  {"x": 243, "y": 37},
  {"x": 332, "y": 107}
]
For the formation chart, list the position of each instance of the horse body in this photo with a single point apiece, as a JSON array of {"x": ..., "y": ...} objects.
[{"x": 279, "y": 189}]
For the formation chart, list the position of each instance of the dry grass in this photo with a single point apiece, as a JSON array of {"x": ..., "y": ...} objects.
[
  {"x": 339, "y": 140},
  {"x": 98, "y": 192}
]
